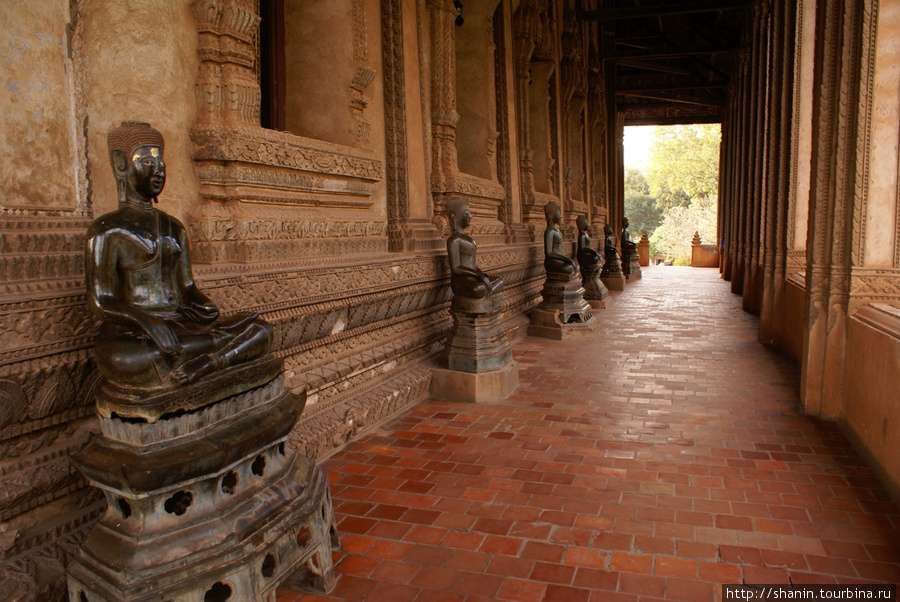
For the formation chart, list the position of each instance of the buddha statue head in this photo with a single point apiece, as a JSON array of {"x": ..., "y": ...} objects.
[
  {"x": 582, "y": 222},
  {"x": 136, "y": 157},
  {"x": 551, "y": 212},
  {"x": 458, "y": 214}
]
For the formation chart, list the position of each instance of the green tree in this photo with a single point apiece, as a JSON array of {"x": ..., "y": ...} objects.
[
  {"x": 640, "y": 208},
  {"x": 684, "y": 164},
  {"x": 683, "y": 176},
  {"x": 673, "y": 237}
]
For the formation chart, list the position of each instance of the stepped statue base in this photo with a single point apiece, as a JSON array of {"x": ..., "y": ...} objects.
[
  {"x": 615, "y": 282},
  {"x": 477, "y": 365},
  {"x": 475, "y": 387},
  {"x": 595, "y": 292},
  {"x": 631, "y": 266},
  {"x": 597, "y": 304},
  {"x": 589, "y": 263},
  {"x": 206, "y": 504},
  {"x": 563, "y": 313}
]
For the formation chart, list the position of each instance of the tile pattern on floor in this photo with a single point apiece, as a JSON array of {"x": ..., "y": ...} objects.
[{"x": 656, "y": 461}]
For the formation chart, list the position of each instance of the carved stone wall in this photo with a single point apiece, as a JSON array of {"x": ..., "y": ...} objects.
[
  {"x": 337, "y": 241},
  {"x": 46, "y": 376}
]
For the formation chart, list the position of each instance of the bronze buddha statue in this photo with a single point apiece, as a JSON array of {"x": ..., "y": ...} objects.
[
  {"x": 555, "y": 261},
  {"x": 158, "y": 330},
  {"x": 629, "y": 247},
  {"x": 466, "y": 280},
  {"x": 587, "y": 256}
]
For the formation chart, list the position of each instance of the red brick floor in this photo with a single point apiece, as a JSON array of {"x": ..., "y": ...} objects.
[{"x": 655, "y": 461}]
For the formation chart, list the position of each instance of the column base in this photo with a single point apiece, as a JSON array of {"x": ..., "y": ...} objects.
[{"x": 475, "y": 387}]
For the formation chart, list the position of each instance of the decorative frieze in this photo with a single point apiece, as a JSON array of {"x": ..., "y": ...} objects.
[{"x": 253, "y": 164}]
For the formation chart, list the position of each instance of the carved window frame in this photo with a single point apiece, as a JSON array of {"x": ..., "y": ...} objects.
[{"x": 237, "y": 159}]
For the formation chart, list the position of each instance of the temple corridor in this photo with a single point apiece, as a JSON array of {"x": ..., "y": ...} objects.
[{"x": 661, "y": 458}]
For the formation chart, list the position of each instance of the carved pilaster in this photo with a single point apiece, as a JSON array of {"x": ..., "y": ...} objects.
[
  {"x": 228, "y": 90},
  {"x": 523, "y": 49},
  {"x": 839, "y": 167},
  {"x": 444, "y": 116},
  {"x": 403, "y": 232}
]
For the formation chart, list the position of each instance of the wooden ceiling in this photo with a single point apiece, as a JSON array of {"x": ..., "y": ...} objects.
[{"x": 673, "y": 59}]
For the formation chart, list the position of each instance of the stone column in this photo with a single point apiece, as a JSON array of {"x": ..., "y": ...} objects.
[
  {"x": 845, "y": 40},
  {"x": 743, "y": 174},
  {"x": 726, "y": 179},
  {"x": 778, "y": 183},
  {"x": 759, "y": 143}
]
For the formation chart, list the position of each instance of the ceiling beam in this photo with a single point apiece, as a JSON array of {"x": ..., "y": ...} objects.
[
  {"x": 647, "y": 66},
  {"x": 662, "y": 9},
  {"x": 651, "y": 86},
  {"x": 689, "y": 100},
  {"x": 646, "y": 55}
]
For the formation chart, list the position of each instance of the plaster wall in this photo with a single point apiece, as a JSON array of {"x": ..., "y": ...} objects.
[
  {"x": 140, "y": 64},
  {"x": 475, "y": 130},
  {"x": 881, "y": 206},
  {"x": 38, "y": 132},
  {"x": 319, "y": 74},
  {"x": 872, "y": 398}
]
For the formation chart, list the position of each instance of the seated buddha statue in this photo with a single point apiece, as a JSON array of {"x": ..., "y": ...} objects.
[
  {"x": 587, "y": 256},
  {"x": 157, "y": 328},
  {"x": 466, "y": 280},
  {"x": 629, "y": 247},
  {"x": 610, "y": 250},
  {"x": 555, "y": 262}
]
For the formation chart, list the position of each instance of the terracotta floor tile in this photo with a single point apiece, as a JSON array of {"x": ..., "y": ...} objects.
[{"x": 654, "y": 461}]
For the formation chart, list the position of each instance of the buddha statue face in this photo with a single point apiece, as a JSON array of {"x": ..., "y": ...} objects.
[{"x": 144, "y": 173}]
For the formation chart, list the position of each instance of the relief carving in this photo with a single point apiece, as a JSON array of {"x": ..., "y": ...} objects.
[
  {"x": 363, "y": 76},
  {"x": 266, "y": 147}
]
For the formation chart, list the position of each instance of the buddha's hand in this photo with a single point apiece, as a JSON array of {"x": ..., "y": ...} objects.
[
  {"x": 200, "y": 313},
  {"x": 162, "y": 335}
]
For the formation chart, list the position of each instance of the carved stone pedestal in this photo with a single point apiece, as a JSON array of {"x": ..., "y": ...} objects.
[
  {"x": 206, "y": 501},
  {"x": 611, "y": 275},
  {"x": 563, "y": 313},
  {"x": 631, "y": 266},
  {"x": 478, "y": 357},
  {"x": 595, "y": 293}
]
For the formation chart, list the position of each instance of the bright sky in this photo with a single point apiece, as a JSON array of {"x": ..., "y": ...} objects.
[{"x": 637, "y": 145}]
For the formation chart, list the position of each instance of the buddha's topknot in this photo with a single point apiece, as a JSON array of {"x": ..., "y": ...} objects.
[{"x": 131, "y": 135}]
